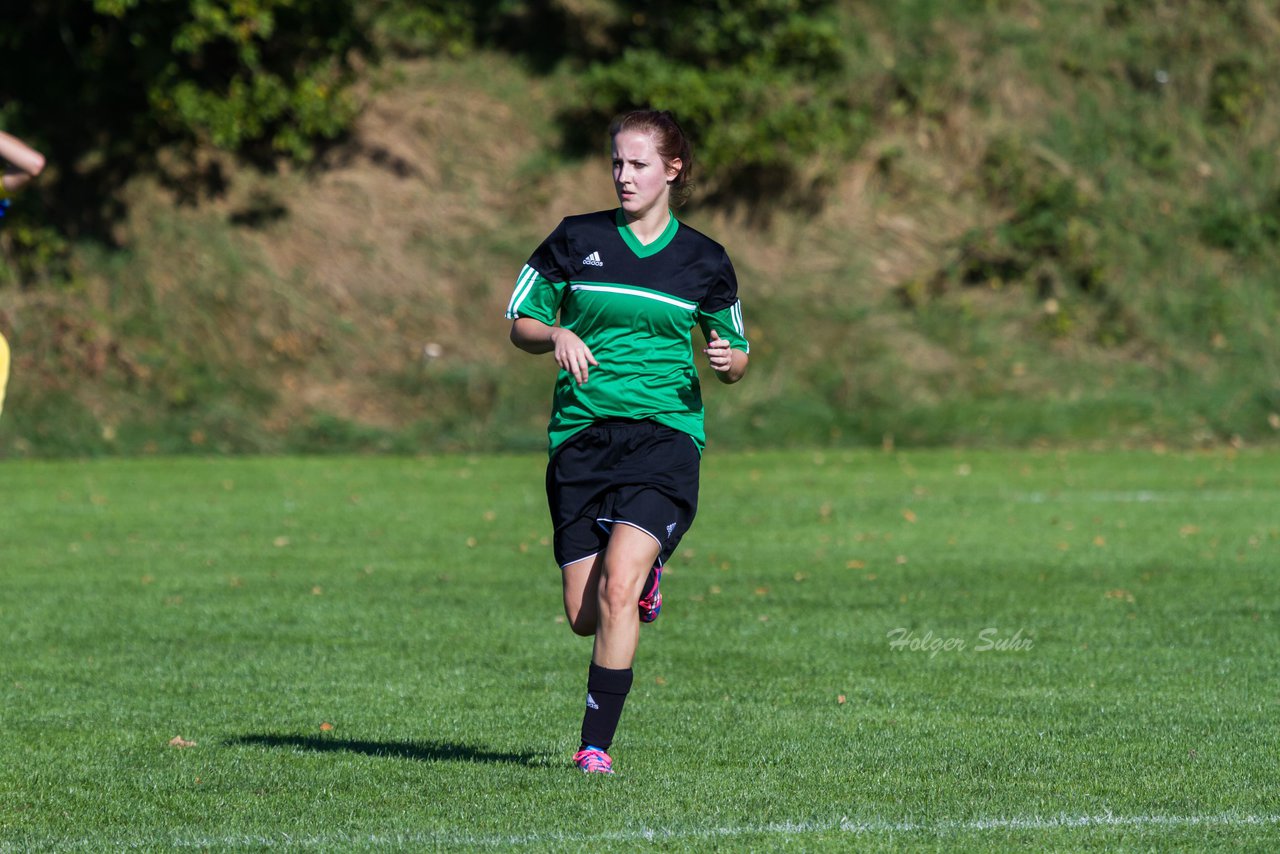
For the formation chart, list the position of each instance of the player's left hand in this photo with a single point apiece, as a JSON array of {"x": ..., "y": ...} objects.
[{"x": 719, "y": 353}]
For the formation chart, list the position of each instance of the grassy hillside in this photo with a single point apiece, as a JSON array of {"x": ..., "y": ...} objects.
[{"x": 1061, "y": 228}]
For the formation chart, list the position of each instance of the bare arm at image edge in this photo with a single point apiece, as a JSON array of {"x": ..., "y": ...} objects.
[{"x": 21, "y": 162}]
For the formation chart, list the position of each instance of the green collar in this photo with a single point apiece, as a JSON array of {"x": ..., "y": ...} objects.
[{"x": 641, "y": 250}]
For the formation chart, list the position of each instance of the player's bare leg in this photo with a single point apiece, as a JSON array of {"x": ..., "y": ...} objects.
[
  {"x": 581, "y": 588},
  {"x": 627, "y": 560}
]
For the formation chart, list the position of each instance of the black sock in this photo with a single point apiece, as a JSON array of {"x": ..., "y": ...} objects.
[{"x": 606, "y": 693}]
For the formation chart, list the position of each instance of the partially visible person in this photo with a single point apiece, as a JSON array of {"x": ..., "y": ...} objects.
[{"x": 21, "y": 164}]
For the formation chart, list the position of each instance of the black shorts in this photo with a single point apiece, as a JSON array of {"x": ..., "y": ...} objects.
[{"x": 617, "y": 472}]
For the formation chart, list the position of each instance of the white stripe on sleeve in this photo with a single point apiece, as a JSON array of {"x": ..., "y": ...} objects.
[{"x": 524, "y": 284}]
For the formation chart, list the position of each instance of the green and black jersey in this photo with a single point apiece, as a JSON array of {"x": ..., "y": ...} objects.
[{"x": 634, "y": 306}]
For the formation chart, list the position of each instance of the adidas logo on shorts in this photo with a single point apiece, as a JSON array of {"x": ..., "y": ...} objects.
[{"x": 593, "y": 259}]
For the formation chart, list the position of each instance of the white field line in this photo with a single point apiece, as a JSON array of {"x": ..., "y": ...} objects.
[
  {"x": 800, "y": 828},
  {"x": 1140, "y": 496}
]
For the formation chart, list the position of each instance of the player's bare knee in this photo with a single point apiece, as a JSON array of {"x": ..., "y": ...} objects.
[
  {"x": 583, "y": 626},
  {"x": 618, "y": 595}
]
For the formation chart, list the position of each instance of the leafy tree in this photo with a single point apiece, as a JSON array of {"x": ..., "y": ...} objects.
[
  {"x": 760, "y": 83},
  {"x": 102, "y": 86}
]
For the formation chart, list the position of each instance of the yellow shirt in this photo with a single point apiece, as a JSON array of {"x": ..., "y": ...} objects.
[{"x": 4, "y": 369}]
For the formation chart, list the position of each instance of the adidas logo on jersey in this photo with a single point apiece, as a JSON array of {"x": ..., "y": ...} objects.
[{"x": 593, "y": 259}]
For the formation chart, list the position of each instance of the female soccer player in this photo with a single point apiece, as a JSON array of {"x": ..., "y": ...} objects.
[
  {"x": 626, "y": 434},
  {"x": 22, "y": 163}
]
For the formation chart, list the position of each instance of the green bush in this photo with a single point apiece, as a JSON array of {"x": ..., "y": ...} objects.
[
  {"x": 247, "y": 72},
  {"x": 405, "y": 27},
  {"x": 1236, "y": 92},
  {"x": 32, "y": 252},
  {"x": 760, "y": 85},
  {"x": 1050, "y": 234},
  {"x": 1235, "y": 223},
  {"x": 144, "y": 73},
  {"x": 101, "y": 87}
]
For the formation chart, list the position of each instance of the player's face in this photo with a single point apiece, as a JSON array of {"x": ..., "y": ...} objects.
[{"x": 639, "y": 175}]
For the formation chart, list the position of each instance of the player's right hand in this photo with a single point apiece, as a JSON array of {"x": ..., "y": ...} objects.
[{"x": 572, "y": 355}]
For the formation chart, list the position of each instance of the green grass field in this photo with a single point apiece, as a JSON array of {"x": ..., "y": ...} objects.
[{"x": 369, "y": 653}]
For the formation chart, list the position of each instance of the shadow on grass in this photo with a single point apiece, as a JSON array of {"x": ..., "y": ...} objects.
[{"x": 423, "y": 751}]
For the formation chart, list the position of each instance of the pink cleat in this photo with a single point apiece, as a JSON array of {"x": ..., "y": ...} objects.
[
  {"x": 593, "y": 760},
  {"x": 651, "y": 601}
]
